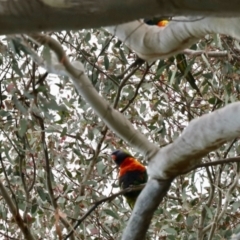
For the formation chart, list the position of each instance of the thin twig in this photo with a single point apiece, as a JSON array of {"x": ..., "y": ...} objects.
[
  {"x": 48, "y": 174},
  {"x": 8, "y": 182},
  {"x": 103, "y": 200},
  {"x": 229, "y": 148},
  {"x": 207, "y": 53},
  {"x": 214, "y": 163},
  {"x": 219, "y": 204},
  {"x": 137, "y": 89},
  {"x": 7, "y": 237},
  {"x": 124, "y": 82},
  {"x": 17, "y": 217}
]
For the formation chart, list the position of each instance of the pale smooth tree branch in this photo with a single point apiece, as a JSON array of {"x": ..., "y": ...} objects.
[
  {"x": 216, "y": 54},
  {"x": 140, "y": 187},
  {"x": 55, "y": 15},
  {"x": 112, "y": 118},
  {"x": 147, "y": 203},
  {"x": 201, "y": 136},
  {"x": 152, "y": 42}
]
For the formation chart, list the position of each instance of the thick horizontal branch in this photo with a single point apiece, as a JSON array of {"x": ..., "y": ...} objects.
[
  {"x": 44, "y": 15},
  {"x": 143, "y": 211},
  {"x": 203, "y": 135},
  {"x": 112, "y": 118},
  {"x": 150, "y": 198},
  {"x": 152, "y": 42}
]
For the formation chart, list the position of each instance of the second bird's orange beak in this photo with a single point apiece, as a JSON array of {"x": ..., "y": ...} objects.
[{"x": 162, "y": 23}]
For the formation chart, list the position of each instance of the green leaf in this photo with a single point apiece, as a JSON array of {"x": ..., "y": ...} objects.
[
  {"x": 212, "y": 100},
  {"x": 118, "y": 44},
  {"x": 4, "y": 113},
  {"x": 90, "y": 134},
  {"x": 23, "y": 127},
  {"x": 9, "y": 170},
  {"x": 68, "y": 173},
  {"x": 87, "y": 37},
  {"x": 169, "y": 230},
  {"x": 77, "y": 152},
  {"x": 69, "y": 188},
  {"x": 64, "y": 131},
  {"x": 16, "y": 68},
  {"x": 143, "y": 108},
  {"x": 19, "y": 105},
  {"x": 34, "y": 206},
  {"x": 236, "y": 205},
  {"x": 111, "y": 213},
  {"x": 100, "y": 168},
  {"x": 209, "y": 212},
  {"x": 46, "y": 53},
  {"x": 190, "y": 221},
  {"x": 41, "y": 193},
  {"x": 123, "y": 56}
]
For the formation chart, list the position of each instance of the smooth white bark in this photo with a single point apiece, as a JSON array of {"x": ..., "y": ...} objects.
[
  {"x": 203, "y": 135},
  {"x": 200, "y": 137},
  {"x": 111, "y": 117},
  {"x": 153, "y": 42},
  {"x": 147, "y": 202},
  {"x": 49, "y": 15}
]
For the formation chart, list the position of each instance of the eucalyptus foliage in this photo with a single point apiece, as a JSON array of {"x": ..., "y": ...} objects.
[{"x": 51, "y": 137}]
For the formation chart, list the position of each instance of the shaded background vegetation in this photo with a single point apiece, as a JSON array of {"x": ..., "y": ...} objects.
[{"x": 55, "y": 150}]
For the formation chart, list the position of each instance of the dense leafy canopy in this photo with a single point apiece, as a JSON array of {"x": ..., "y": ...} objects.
[{"x": 55, "y": 150}]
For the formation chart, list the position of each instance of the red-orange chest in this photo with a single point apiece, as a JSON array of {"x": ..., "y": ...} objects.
[{"x": 131, "y": 164}]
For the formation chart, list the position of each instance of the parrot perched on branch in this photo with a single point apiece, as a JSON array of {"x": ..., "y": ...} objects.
[
  {"x": 180, "y": 58},
  {"x": 131, "y": 173}
]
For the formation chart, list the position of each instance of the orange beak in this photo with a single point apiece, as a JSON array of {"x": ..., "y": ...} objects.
[{"x": 163, "y": 23}]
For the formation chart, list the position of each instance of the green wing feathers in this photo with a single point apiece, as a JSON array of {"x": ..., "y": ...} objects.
[
  {"x": 132, "y": 178},
  {"x": 183, "y": 68}
]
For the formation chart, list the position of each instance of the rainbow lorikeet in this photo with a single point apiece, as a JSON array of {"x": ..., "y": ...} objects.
[
  {"x": 131, "y": 173},
  {"x": 180, "y": 58}
]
